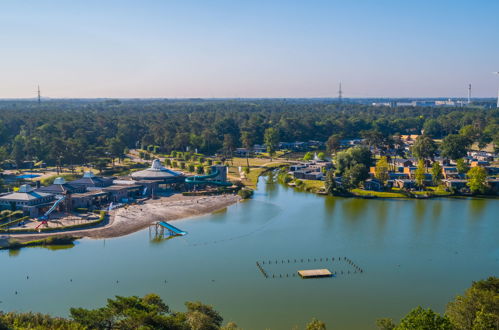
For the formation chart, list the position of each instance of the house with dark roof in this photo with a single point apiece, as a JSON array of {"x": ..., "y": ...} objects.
[
  {"x": 31, "y": 202},
  {"x": 61, "y": 187},
  {"x": 90, "y": 180}
]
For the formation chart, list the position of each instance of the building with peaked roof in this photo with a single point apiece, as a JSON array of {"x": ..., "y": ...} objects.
[
  {"x": 28, "y": 200},
  {"x": 61, "y": 187},
  {"x": 159, "y": 173},
  {"x": 90, "y": 180}
]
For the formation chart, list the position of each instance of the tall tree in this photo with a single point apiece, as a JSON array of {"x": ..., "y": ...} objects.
[
  {"x": 247, "y": 143},
  {"x": 420, "y": 173},
  {"x": 423, "y": 319},
  {"x": 436, "y": 173},
  {"x": 477, "y": 179},
  {"x": 461, "y": 166},
  {"x": 455, "y": 146},
  {"x": 478, "y": 308},
  {"x": 381, "y": 170},
  {"x": 333, "y": 143},
  {"x": 424, "y": 147},
  {"x": 271, "y": 139}
]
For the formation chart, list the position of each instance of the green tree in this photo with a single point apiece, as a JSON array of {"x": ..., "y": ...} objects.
[
  {"x": 478, "y": 308},
  {"x": 115, "y": 149},
  {"x": 247, "y": 143},
  {"x": 455, "y": 146},
  {"x": 355, "y": 175},
  {"x": 350, "y": 157},
  {"x": 271, "y": 139},
  {"x": 477, "y": 179},
  {"x": 381, "y": 170},
  {"x": 125, "y": 313},
  {"x": 424, "y": 319},
  {"x": 229, "y": 145},
  {"x": 316, "y": 325},
  {"x": 461, "y": 166},
  {"x": 420, "y": 173},
  {"x": 321, "y": 156},
  {"x": 202, "y": 317},
  {"x": 385, "y": 324},
  {"x": 424, "y": 147},
  {"x": 333, "y": 143},
  {"x": 432, "y": 128},
  {"x": 308, "y": 156},
  {"x": 436, "y": 173}
]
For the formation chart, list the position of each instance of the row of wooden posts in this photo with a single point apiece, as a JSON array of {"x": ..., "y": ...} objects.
[{"x": 332, "y": 259}]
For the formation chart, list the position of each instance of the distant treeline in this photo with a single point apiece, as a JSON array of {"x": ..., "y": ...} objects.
[{"x": 70, "y": 132}]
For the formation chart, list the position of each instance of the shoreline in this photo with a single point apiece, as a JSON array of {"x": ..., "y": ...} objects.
[{"x": 132, "y": 218}]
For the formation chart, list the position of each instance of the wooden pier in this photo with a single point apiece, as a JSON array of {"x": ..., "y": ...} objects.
[{"x": 314, "y": 273}]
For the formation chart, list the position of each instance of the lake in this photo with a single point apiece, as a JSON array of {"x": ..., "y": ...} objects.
[{"x": 412, "y": 252}]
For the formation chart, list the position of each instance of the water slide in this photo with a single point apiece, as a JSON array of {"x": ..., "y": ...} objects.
[
  {"x": 205, "y": 179},
  {"x": 172, "y": 229},
  {"x": 57, "y": 202}
]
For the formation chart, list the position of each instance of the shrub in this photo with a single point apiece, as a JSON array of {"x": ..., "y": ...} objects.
[
  {"x": 199, "y": 169},
  {"x": 191, "y": 167},
  {"x": 182, "y": 165},
  {"x": 245, "y": 193}
]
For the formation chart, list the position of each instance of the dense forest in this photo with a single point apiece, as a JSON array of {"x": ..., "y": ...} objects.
[{"x": 80, "y": 131}]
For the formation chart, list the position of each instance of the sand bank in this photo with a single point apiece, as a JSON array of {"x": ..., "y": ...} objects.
[{"x": 132, "y": 218}]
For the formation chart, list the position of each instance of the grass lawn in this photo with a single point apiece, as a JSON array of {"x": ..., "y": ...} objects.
[
  {"x": 382, "y": 194},
  {"x": 252, "y": 177},
  {"x": 310, "y": 185}
]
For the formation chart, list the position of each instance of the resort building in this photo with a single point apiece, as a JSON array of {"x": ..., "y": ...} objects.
[
  {"x": 165, "y": 178},
  {"x": 31, "y": 202},
  {"x": 89, "y": 180},
  {"x": 61, "y": 187}
]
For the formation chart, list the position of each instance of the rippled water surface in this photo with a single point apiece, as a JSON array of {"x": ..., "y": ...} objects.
[{"x": 412, "y": 252}]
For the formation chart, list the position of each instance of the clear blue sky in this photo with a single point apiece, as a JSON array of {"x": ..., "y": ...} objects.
[{"x": 253, "y": 48}]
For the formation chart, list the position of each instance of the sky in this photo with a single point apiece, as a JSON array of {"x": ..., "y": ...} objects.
[{"x": 248, "y": 48}]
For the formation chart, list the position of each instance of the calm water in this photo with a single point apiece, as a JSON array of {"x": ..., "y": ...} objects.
[{"x": 412, "y": 252}]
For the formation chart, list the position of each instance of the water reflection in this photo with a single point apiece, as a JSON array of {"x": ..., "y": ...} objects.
[
  {"x": 354, "y": 208},
  {"x": 477, "y": 207},
  {"x": 329, "y": 205}
]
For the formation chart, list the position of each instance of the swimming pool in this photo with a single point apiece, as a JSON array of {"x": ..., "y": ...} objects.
[{"x": 27, "y": 176}]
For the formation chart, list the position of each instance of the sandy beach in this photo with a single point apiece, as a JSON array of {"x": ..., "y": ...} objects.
[{"x": 132, "y": 218}]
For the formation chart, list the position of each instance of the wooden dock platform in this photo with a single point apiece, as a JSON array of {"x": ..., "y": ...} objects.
[{"x": 313, "y": 273}]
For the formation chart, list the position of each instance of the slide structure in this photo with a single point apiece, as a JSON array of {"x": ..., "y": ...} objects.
[
  {"x": 205, "y": 179},
  {"x": 57, "y": 202},
  {"x": 172, "y": 229}
]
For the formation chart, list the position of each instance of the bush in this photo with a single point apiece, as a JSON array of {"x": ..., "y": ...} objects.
[
  {"x": 199, "y": 169},
  {"x": 81, "y": 210},
  {"x": 191, "y": 167},
  {"x": 182, "y": 165},
  {"x": 209, "y": 162},
  {"x": 245, "y": 193},
  {"x": 168, "y": 162},
  {"x": 174, "y": 164}
]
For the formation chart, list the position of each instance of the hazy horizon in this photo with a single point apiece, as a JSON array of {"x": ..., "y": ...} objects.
[{"x": 257, "y": 49}]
